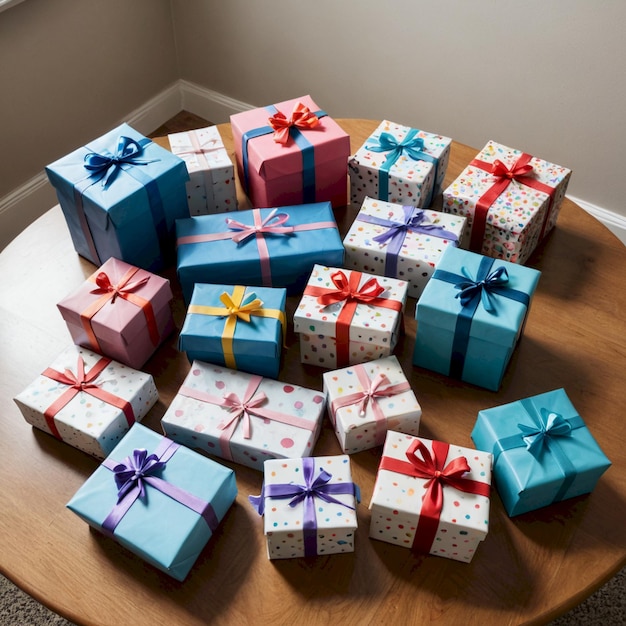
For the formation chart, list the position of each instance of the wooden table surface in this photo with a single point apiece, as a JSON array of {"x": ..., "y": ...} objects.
[{"x": 529, "y": 569}]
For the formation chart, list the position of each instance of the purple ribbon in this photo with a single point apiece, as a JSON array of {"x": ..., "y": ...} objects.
[
  {"x": 396, "y": 232},
  {"x": 138, "y": 470},
  {"x": 318, "y": 487}
]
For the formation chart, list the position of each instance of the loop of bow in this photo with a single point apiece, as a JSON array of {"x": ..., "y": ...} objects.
[
  {"x": 241, "y": 409},
  {"x": 123, "y": 289},
  {"x": 551, "y": 425},
  {"x": 273, "y": 223},
  {"x": 301, "y": 117},
  {"x": 349, "y": 289},
  {"x": 241, "y": 311},
  {"x": 131, "y": 472},
  {"x": 482, "y": 288},
  {"x": 412, "y": 145},
  {"x": 80, "y": 380}
]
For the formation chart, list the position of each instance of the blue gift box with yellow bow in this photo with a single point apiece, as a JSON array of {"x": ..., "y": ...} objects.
[
  {"x": 471, "y": 315},
  {"x": 157, "y": 498},
  {"x": 543, "y": 451},
  {"x": 121, "y": 195}
]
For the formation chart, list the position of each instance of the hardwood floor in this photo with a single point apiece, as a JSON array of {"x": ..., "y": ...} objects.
[{"x": 180, "y": 122}]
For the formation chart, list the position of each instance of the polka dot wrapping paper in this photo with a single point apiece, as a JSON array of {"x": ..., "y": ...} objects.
[
  {"x": 280, "y": 420},
  {"x": 398, "y": 513},
  {"x": 211, "y": 185}
]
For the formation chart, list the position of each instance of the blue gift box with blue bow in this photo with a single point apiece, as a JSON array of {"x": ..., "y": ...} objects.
[
  {"x": 543, "y": 451},
  {"x": 121, "y": 195},
  {"x": 471, "y": 315},
  {"x": 157, "y": 498}
]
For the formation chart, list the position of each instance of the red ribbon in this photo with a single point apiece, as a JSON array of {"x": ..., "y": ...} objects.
[
  {"x": 437, "y": 475},
  {"x": 348, "y": 291},
  {"x": 82, "y": 381},
  {"x": 302, "y": 117},
  {"x": 519, "y": 172},
  {"x": 110, "y": 292}
]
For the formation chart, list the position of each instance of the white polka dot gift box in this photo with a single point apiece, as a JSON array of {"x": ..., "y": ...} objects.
[
  {"x": 347, "y": 317},
  {"x": 366, "y": 400},
  {"x": 309, "y": 507},
  {"x": 399, "y": 164},
  {"x": 87, "y": 400},
  {"x": 211, "y": 186},
  {"x": 243, "y": 417},
  {"x": 431, "y": 497},
  {"x": 511, "y": 200},
  {"x": 403, "y": 242}
]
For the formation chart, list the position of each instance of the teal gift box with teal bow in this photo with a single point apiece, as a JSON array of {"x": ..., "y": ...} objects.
[
  {"x": 543, "y": 451},
  {"x": 471, "y": 315},
  {"x": 120, "y": 195},
  {"x": 160, "y": 500}
]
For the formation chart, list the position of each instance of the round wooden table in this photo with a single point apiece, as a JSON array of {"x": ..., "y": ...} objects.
[{"x": 529, "y": 569}]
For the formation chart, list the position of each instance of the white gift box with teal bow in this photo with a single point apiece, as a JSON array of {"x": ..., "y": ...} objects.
[
  {"x": 543, "y": 451},
  {"x": 471, "y": 315},
  {"x": 399, "y": 164}
]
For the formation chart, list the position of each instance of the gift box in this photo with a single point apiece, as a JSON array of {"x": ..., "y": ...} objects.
[
  {"x": 511, "y": 200},
  {"x": 120, "y": 196},
  {"x": 366, "y": 400},
  {"x": 400, "y": 241},
  {"x": 120, "y": 311},
  {"x": 309, "y": 506},
  {"x": 158, "y": 499},
  {"x": 240, "y": 327},
  {"x": 87, "y": 400},
  {"x": 471, "y": 315},
  {"x": 431, "y": 496},
  {"x": 543, "y": 451},
  {"x": 291, "y": 153},
  {"x": 244, "y": 418},
  {"x": 211, "y": 186},
  {"x": 260, "y": 247},
  {"x": 347, "y": 317},
  {"x": 399, "y": 164}
]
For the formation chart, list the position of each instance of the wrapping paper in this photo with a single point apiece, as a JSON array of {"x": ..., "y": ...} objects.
[
  {"x": 403, "y": 242},
  {"x": 366, "y": 400},
  {"x": 95, "y": 419},
  {"x": 282, "y": 420},
  {"x": 127, "y": 212},
  {"x": 521, "y": 215},
  {"x": 120, "y": 311},
  {"x": 543, "y": 451},
  {"x": 472, "y": 340},
  {"x": 398, "y": 505},
  {"x": 158, "y": 526},
  {"x": 211, "y": 186},
  {"x": 309, "y": 167},
  {"x": 258, "y": 247},
  {"x": 399, "y": 164}
]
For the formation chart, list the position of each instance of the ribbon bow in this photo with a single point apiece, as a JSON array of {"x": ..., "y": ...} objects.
[
  {"x": 551, "y": 425},
  {"x": 131, "y": 472},
  {"x": 80, "y": 381},
  {"x": 241, "y": 409},
  {"x": 105, "y": 167},
  {"x": 398, "y": 229},
  {"x": 411, "y": 144},
  {"x": 500, "y": 170},
  {"x": 349, "y": 289},
  {"x": 302, "y": 117},
  {"x": 273, "y": 223},
  {"x": 123, "y": 289},
  {"x": 373, "y": 391},
  {"x": 252, "y": 304},
  {"x": 471, "y": 289}
]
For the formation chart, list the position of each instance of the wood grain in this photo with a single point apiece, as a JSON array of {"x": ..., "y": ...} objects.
[{"x": 528, "y": 570}]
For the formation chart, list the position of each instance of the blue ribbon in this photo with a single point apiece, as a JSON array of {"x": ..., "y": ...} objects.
[
  {"x": 307, "y": 149},
  {"x": 472, "y": 292},
  {"x": 414, "y": 148}
]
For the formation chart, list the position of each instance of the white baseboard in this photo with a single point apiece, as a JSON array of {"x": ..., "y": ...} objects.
[
  {"x": 613, "y": 221},
  {"x": 209, "y": 104}
]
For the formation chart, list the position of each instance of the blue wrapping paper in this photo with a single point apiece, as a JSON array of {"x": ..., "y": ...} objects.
[
  {"x": 157, "y": 528},
  {"x": 566, "y": 464}
]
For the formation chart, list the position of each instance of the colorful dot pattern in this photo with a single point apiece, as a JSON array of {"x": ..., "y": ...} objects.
[
  {"x": 356, "y": 432},
  {"x": 515, "y": 219},
  {"x": 196, "y": 424},
  {"x": 397, "y": 501},
  {"x": 336, "y": 524},
  {"x": 85, "y": 422},
  {"x": 419, "y": 254},
  {"x": 410, "y": 181}
]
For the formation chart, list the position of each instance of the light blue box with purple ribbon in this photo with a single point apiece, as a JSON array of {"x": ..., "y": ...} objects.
[
  {"x": 471, "y": 315},
  {"x": 157, "y": 498},
  {"x": 543, "y": 451}
]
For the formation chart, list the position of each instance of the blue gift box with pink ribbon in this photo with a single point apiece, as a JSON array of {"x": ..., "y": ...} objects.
[
  {"x": 543, "y": 451},
  {"x": 471, "y": 315},
  {"x": 121, "y": 195},
  {"x": 157, "y": 498}
]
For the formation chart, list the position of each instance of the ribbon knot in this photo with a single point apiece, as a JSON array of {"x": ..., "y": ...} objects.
[
  {"x": 411, "y": 144},
  {"x": 273, "y": 223},
  {"x": 550, "y": 425},
  {"x": 244, "y": 310},
  {"x": 131, "y": 472},
  {"x": 374, "y": 391},
  {"x": 301, "y": 117},
  {"x": 241, "y": 409},
  {"x": 123, "y": 289},
  {"x": 482, "y": 288},
  {"x": 348, "y": 290},
  {"x": 500, "y": 170}
]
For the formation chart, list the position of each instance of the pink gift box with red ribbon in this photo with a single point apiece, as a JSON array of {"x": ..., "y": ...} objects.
[
  {"x": 511, "y": 200},
  {"x": 120, "y": 311},
  {"x": 291, "y": 153}
]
